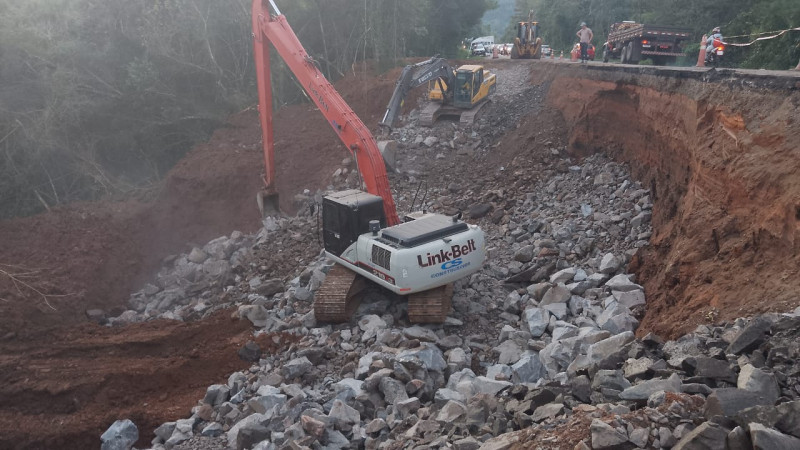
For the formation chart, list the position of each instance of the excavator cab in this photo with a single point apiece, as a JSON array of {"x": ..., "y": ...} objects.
[{"x": 473, "y": 84}]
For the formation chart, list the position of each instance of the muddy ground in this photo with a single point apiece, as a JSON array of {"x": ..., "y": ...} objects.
[{"x": 720, "y": 156}]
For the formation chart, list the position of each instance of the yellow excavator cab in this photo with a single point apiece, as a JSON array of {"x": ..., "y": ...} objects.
[{"x": 473, "y": 85}]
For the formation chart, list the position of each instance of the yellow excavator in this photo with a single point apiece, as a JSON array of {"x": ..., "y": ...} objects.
[
  {"x": 458, "y": 92},
  {"x": 528, "y": 43}
]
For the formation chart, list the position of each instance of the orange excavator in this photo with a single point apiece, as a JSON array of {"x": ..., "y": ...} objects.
[{"x": 418, "y": 258}]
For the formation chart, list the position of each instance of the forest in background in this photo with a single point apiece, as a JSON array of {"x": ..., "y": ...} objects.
[
  {"x": 102, "y": 97},
  {"x": 560, "y": 19}
]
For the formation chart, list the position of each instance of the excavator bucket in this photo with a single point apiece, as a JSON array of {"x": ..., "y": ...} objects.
[
  {"x": 268, "y": 204},
  {"x": 388, "y": 151}
]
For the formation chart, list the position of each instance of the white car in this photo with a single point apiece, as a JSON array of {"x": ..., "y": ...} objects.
[{"x": 478, "y": 49}]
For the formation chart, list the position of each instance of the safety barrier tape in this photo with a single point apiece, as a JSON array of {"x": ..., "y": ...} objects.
[{"x": 763, "y": 38}]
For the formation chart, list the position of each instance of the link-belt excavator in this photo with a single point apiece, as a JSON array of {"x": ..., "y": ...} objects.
[
  {"x": 418, "y": 258},
  {"x": 452, "y": 92}
]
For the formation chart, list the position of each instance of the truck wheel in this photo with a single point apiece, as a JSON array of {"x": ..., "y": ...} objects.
[
  {"x": 605, "y": 55},
  {"x": 624, "y": 55}
]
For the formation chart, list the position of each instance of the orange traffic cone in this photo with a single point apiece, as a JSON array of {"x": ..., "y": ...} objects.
[
  {"x": 701, "y": 57},
  {"x": 562, "y": 55}
]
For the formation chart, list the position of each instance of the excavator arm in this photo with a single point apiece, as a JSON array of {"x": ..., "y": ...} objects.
[
  {"x": 351, "y": 130},
  {"x": 412, "y": 76}
]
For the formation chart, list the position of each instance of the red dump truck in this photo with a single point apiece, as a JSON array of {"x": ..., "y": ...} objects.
[{"x": 632, "y": 42}]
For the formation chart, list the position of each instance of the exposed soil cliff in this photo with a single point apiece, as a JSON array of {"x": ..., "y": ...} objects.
[{"x": 721, "y": 154}]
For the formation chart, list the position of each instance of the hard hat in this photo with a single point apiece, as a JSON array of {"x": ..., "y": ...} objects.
[
  {"x": 715, "y": 30},
  {"x": 583, "y": 24}
]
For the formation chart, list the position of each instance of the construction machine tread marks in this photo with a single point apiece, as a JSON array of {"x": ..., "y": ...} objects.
[
  {"x": 337, "y": 299},
  {"x": 431, "y": 306}
]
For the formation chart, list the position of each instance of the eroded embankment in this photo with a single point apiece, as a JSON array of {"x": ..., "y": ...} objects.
[{"x": 721, "y": 154}]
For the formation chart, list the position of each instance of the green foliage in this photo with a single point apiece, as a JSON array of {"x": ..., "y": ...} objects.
[
  {"x": 102, "y": 97},
  {"x": 560, "y": 19}
]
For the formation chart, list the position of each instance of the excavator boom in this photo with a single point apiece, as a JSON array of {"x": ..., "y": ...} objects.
[
  {"x": 412, "y": 76},
  {"x": 350, "y": 129}
]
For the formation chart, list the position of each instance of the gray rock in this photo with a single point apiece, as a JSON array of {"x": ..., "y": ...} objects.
[
  {"x": 729, "y": 401},
  {"x": 407, "y": 407},
  {"x": 790, "y": 418},
  {"x": 642, "y": 391},
  {"x": 445, "y": 395},
  {"x": 606, "y": 436},
  {"x": 484, "y": 385},
  {"x": 250, "y": 352},
  {"x": 263, "y": 404},
  {"x": 639, "y": 437},
  {"x": 479, "y": 210},
  {"x": 510, "y": 352},
  {"x": 666, "y": 438},
  {"x": 610, "y": 379},
  {"x": 468, "y": 443},
  {"x": 556, "y": 294},
  {"x": 609, "y": 264},
  {"x": 529, "y": 369},
  {"x": 165, "y": 430},
  {"x": 343, "y": 417},
  {"x": 302, "y": 294},
  {"x": 708, "y": 436},
  {"x": 714, "y": 368},
  {"x": 607, "y": 353},
  {"x": 393, "y": 390},
  {"x": 213, "y": 429},
  {"x": 637, "y": 368},
  {"x": 537, "y": 320},
  {"x": 270, "y": 287},
  {"x": 376, "y": 426},
  {"x": 524, "y": 254},
  {"x": 547, "y": 411},
  {"x": 256, "y": 314},
  {"x": 182, "y": 432},
  {"x": 559, "y": 310},
  {"x": 581, "y": 388},
  {"x": 620, "y": 321},
  {"x": 563, "y": 276},
  {"x": 760, "y": 382},
  {"x": 764, "y": 438},
  {"x": 197, "y": 256},
  {"x": 452, "y": 411},
  {"x": 622, "y": 283},
  {"x": 296, "y": 368},
  {"x": 750, "y": 337},
  {"x": 630, "y": 298},
  {"x": 121, "y": 435},
  {"x": 371, "y": 325},
  {"x": 688, "y": 346},
  {"x": 420, "y": 333},
  {"x": 738, "y": 439},
  {"x": 428, "y": 354},
  {"x": 216, "y": 394}
]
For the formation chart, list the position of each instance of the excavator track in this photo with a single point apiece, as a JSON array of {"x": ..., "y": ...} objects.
[
  {"x": 337, "y": 299},
  {"x": 431, "y": 306},
  {"x": 429, "y": 114}
]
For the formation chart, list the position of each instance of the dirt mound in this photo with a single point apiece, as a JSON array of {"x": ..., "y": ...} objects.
[
  {"x": 62, "y": 388},
  {"x": 721, "y": 162}
]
